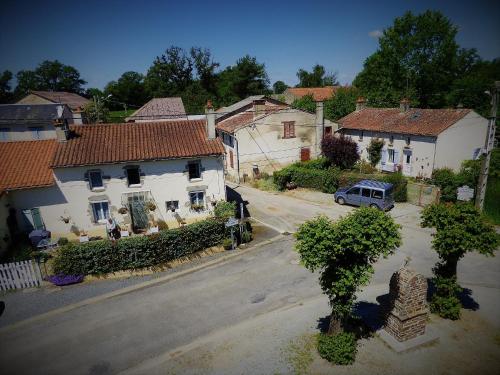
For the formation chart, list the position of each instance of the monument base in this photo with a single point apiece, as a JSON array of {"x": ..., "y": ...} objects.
[{"x": 429, "y": 337}]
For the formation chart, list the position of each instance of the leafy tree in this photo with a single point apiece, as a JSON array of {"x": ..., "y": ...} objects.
[
  {"x": 93, "y": 91},
  {"x": 5, "y": 88},
  {"x": 342, "y": 103},
  {"x": 306, "y": 103},
  {"x": 195, "y": 98},
  {"x": 340, "y": 151},
  {"x": 460, "y": 228},
  {"x": 344, "y": 253},
  {"x": 27, "y": 80},
  {"x": 129, "y": 89},
  {"x": 205, "y": 69},
  {"x": 316, "y": 78},
  {"x": 374, "y": 150},
  {"x": 279, "y": 87},
  {"x": 417, "y": 58},
  {"x": 96, "y": 112},
  {"x": 247, "y": 77}
]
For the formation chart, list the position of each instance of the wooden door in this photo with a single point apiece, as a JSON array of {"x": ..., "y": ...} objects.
[{"x": 305, "y": 154}]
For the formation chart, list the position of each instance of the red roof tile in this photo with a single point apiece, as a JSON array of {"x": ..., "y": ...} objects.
[
  {"x": 112, "y": 143},
  {"x": 240, "y": 119},
  {"x": 416, "y": 121},
  {"x": 26, "y": 164},
  {"x": 160, "y": 108},
  {"x": 318, "y": 93},
  {"x": 72, "y": 100}
]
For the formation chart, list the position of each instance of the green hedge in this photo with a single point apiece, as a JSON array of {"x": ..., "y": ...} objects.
[
  {"x": 100, "y": 257},
  {"x": 397, "y": 179},
  {"x": 325, "y": 180}
]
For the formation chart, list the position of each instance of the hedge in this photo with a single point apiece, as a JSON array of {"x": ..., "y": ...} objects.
[
  {"x": 397, "y": 179},
  {"x": 325, "y": 180},
  {"x": 104, "y": 256}
]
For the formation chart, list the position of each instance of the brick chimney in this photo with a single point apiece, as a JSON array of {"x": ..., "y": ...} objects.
[
  {"x": 360, "y": 103},
  {"x": 404, "y": 105},
  {"x": 320, "y": 126},
  {"x": 210, "y": 117},
  {"x": 259, "y": 107},
  {"x": 61, "y": 125}
]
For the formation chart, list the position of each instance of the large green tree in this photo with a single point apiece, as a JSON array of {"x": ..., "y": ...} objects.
[
  {"x": 417, "y": 58},
  {"x": 279, "y": 87},
  {"x": 318, "y": 77},
  {"x": 128, "y": 89},
  {"x": 5, "y": 88},
  {"x": 247, "y": 77},
  {"x": 344, "y": 253},
  {"x": 341, "y": 103}
]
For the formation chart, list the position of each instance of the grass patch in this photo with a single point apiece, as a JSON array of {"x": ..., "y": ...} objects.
[
  {"x": 119, "y": 116},
  {"x": 492, "y": 199},
  {"x": 299, "y": 353},
  {"x": 266, "y": 184}
]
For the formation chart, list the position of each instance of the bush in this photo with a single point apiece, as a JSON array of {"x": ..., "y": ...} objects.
[
  {"x": 227, "y": 243},
  {"x": 445, "y": 301},
  {"x": 319, "y": 163},
  {"x": 375, "y": 150},
  {"x": 446, "y": 180},
  {"x": 400, "y": 186},
  {"x": 162, "y": 225},
  {"x": 318, "y": 179},
  {"x": 339, "y": 349},
  {"x": 246, "y": 237},
  {"x": 62, "y": 241},
  {"x": 224, "y": 210},
  {"x": 104, "y": 256},
  {"x": 362, "y": 166},
  {"x": 340, "y": 151}
]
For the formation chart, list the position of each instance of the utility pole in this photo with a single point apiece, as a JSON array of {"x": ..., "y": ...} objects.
[{"x": 489, "y": 143}]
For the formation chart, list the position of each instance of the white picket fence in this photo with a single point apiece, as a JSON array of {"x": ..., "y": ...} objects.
[{"x": 18, "y": 275}]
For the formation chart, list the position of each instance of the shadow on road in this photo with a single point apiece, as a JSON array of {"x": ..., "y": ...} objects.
[{"x": 234, "y": 196}]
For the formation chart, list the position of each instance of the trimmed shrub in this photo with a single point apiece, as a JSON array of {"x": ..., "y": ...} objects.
[
  {"x": 339, "y": 349},
  {"x": 319, "y": 163},
  {"x": 224, "y": 210},
  {"x": 446, "y": 180},
  {"x": 318, "y": 179},
  {"x": 104, "y": 256},
  {"x": 62, "y": 241},
  {"x": 445, "y": 301},
  {"x": 400, "y": 186},
  {"x": 340, "y": 151},
  {"x": 375, "y": 150}
]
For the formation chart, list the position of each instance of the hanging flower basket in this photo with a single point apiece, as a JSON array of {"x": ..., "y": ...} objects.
[
  {"x": 62, "y": 280},
  {"x": 151, "y": 206},
  {"x": 122, "y": 210}
]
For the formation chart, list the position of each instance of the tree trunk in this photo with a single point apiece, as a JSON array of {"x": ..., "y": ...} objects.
[
  {"x": 335, "y": 325},
  {"x": 451, "y": 267}
]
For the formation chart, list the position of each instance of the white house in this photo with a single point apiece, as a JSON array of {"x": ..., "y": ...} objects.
[
  {"x": 264, "y": 135},
  {"x": 75, "y": 102},
  {"x": 416, "y": 141},
  {"x": 138, "y": 173},
  {"x": 26, "y": 122}
]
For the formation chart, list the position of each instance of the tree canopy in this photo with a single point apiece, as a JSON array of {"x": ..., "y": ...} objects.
[
  {"x": 417, "y": 58},
  {"x": 318, "y": 77},
  {"x": 5, "y": 88},
  {"x": 128, "y": 89},
  {"x": 279, "y": 87}
]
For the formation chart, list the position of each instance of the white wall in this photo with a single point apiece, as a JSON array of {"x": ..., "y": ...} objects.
[
  {"x": 460, "y": 141},
  {"x": 166, "y": 180}
]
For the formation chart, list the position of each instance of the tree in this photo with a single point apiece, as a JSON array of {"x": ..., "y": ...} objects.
[
  {"x": 306, "y": 103},
  {"x": 417, "y": 58},
  {"x": 5, "y": 88},
  {"x": 205, "y": 69},
  {"x": 96, "y": 111},
  {"x": 374, "y": 150},
  {"x": 279, "y": 87},
  {"x": 460, "y": 228},
  {"x": 247, "y": 77},
  {"x": 341, "y": 103},
  {"x": 129, "y": 89},
  {"x": 344, "y": 252},
  {"x": 27, "y": 80},
  {"x": 340, "y": 150},
  {"x": 316, "y": 78}
]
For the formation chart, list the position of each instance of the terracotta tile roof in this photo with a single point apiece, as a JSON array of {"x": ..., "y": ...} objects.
[
  {"x": 72, "y": 100},
  {"x": 136, "y": 141},
  {"x": 26, "y": 164},
  {"x": 318, "y": 93},
  {"x": 159, "y": 108},
  {"x": 416, "y": 121},
  {"x": 241, "y": 119}
]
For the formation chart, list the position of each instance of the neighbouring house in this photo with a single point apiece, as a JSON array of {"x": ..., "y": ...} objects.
[
  {"x": 264, "y": 135},
  {"x": 319, "y": 94},
  {"x": 24, "y": 122},
  {"x": 74, "y": 101},
  {"x": 138, "y": 173},
  {"x": 159, "y": 109},
  {"x": 417, "y": 141}
]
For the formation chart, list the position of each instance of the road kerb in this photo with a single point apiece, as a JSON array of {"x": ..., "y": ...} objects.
[{"x": 134, "y": 288}]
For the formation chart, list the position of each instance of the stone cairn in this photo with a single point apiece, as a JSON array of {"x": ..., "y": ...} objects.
[{"x": 406, "y": 312}]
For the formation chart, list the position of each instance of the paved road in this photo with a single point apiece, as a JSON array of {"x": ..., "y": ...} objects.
[{"x": 126, "y": 331}]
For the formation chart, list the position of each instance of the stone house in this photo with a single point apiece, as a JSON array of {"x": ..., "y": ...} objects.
[
  {"x": 75, "y": 102},
  {"x": 138, "y": 173},
  {"x": 264, "y": 135},
  {"x": 25, "y": 122},
  {"x": 417, "y": 141}
]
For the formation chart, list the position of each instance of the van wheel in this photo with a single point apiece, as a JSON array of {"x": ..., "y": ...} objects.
[
  {"x": 373, "y": 205},
  {"x": 341, "y": 201}
]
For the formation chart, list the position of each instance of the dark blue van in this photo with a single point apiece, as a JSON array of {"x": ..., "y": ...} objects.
[{"x": 367, "y": 193}]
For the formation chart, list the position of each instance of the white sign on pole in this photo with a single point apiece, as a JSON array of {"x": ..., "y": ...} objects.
[{"x": 465, "y": 193}]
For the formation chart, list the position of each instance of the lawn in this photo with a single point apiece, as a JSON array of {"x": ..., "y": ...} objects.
[
  {"x": 119, "y": 116},
  {"x": 492, "y": 200}
]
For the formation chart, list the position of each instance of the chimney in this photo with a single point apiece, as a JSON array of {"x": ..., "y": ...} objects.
[
  {"x": 404, "y": 105},
  {"x": 320, "y": 126},
  {"x": 360, "y": 103},
  {"x": 61, "y": 125},
  {"x": 259, "y": 107},
  {"x": 210, "y": 117}
]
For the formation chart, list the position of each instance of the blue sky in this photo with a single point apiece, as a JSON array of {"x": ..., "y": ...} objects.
[{"x": 103, "y": 39}]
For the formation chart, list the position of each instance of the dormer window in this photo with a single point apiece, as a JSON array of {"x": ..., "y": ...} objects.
[
  {"x": 361, "y": 134},
  {"x": 194, "y": 169},
  {"x": 408, "y": 140},
  {"x": 391, "y": 140},
  {"x": 95, "y": 180},
  {"x": 133, "y": 177}
]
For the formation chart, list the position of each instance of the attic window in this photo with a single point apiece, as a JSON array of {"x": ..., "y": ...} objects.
[
  {"x": 133, "y": 176},
  {"x": 408, "y": 140}
]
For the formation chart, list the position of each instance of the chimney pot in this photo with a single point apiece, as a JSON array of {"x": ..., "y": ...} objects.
[
  {"x": 404, "y": 105},
  {"x": 62, "y": 130},
  {"x": 360, "y": 103},
  {"x": 210, "y": 120}
]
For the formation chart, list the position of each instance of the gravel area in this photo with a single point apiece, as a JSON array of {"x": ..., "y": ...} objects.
[{"x": 25, "y": 303}]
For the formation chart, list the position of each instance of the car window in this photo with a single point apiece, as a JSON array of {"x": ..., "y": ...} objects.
[
  {"x": 366, "y": 192},
  {"x": 354, "y": 191},
  {"x": 377, "y": 194}
]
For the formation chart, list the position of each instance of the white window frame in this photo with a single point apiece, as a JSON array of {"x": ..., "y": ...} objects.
[
  {"x": 198, "y": 202},
  {"x": 96, "y": 188},
  {"x": 95, "y": 212},
  {"x": 175, "y": 203},
  {"x": 391, "y": 153}
]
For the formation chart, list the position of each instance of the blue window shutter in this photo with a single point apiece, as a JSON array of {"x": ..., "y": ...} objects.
[{"x": 384, "y": 156}]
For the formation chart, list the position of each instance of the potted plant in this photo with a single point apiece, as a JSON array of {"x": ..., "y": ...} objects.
[
  {"x": 197, "y": 207},
  {"x": 65, "y": 219},
  {"x": 84, "y": 237},
  {"x": 246, "y": 237},
  {"x": 151, "y": 206},
  {"x": 122, "y": 210},
  {"x": 227, "y": 243}
]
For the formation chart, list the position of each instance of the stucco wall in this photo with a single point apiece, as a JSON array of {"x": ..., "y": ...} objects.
[
  {"x": 34, "y": 99},
  {"x": 422, "y": 149},
  {"x": 459, "y": 141},
  {"x": 264, "y": 144},
  {"x": 165, "y": 180}
]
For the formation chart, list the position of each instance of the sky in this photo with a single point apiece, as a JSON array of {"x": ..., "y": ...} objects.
[{"x": 106, "y": 38}]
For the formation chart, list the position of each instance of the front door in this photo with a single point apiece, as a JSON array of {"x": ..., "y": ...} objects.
[
  {"x": 138, "y": 213},
  {"x": 305, "y": 154},
  {"x": 33, "y": 219},
  {"x": 407, "y": 159}
]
